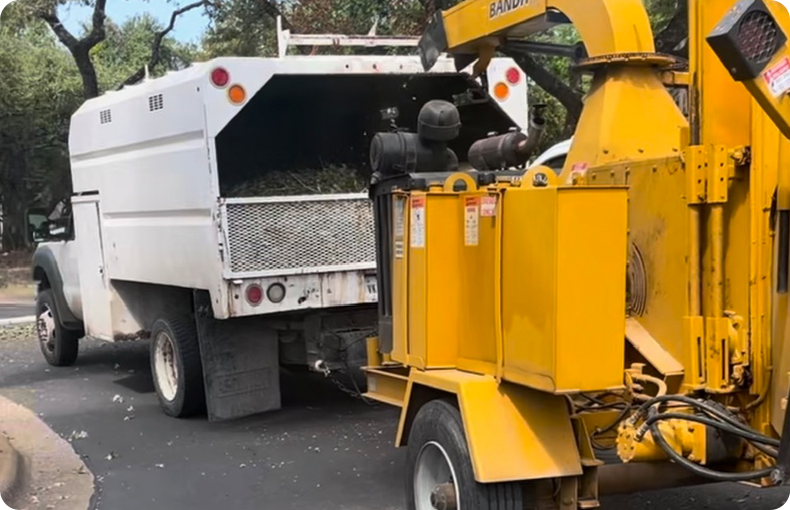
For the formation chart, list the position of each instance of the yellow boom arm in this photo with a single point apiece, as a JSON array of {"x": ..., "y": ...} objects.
[{"x": 476, "y": 27}]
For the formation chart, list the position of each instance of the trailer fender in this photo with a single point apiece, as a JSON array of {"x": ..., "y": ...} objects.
[{"x": 514, "y": 433}]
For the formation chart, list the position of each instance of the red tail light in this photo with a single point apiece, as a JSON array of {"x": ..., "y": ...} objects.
[
  {"x": 513, "y": 76},
  {"x": 220, "y": 77},
  {"x": 254, "y": 294}
]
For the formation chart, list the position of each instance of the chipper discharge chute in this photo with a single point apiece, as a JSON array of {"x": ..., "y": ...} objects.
[{"x": 618, "y": 327}]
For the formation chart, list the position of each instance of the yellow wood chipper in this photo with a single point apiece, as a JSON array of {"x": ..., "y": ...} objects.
[{"x": 622, "y": 325}]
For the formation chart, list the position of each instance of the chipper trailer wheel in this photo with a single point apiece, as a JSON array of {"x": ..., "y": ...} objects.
[
  {"x": 440, "y": 475},
  {"x": 176, "y": 367},
  {"x": 59, "y": 345}
]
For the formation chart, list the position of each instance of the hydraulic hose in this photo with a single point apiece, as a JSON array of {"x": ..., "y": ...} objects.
[
  {"x": 703, "y": 471},
  {"x": 749, "y": 436},
  {"x": 708, "y": 409}
]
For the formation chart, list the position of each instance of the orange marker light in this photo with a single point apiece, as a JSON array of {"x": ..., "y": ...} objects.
[
  {"x": 501, "y": 91},
  {"x": 237, "y": 94}
]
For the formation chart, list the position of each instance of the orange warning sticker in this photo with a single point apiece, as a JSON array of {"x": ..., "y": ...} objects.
[
  {"x": 488, "y": 207},
  {"x": 778, "y": 77}
]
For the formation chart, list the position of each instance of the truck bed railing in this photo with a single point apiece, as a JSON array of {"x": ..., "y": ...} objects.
[{"x": 286, "y": 39}]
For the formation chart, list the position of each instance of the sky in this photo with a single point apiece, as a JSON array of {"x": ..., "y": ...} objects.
[{"x": 189, "y": 26}]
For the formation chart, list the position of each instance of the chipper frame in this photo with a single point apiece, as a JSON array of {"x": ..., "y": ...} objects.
[{"x": 638, "y": 302}]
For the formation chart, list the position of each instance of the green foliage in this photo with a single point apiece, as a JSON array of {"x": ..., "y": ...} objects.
[
  {"x": 40, "y": 89},
  {"x": 127, "y": 48},
  {"x": 242, "y": 28}
]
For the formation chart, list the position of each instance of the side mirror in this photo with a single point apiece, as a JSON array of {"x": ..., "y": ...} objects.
[{"x": 38, "y": 228}]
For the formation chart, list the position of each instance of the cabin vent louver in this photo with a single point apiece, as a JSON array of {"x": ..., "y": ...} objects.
[
  {"x": 156, "y": 103},
  {"x": 105, "y": 116}
]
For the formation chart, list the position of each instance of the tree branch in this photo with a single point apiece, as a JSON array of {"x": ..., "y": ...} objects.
[
  {"x": 272, "y": 8},
  {"x": 159, "y": 37},
  {"x": 674, "y": 38},
  {"x": 80, "y": 48},
  {"x": 62, "y": 33},
  {"x": 97, "y": 33},
  {"x": 566, "y": 95}
]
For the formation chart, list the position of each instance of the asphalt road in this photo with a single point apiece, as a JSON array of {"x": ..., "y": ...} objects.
[
  {"x": 11, "y": 311},
  {"x": 324, "y": 450}
]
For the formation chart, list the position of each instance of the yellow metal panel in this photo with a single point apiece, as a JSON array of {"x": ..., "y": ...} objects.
[
  {"x": 514, "y": 433},
  {"x": 651, "y": 349},
  {"x": 658, "y": 218},
  {"x": 476, "y": 285},
  {"x": 417, "y": 292},
  {"x": 529, "y": 291},
  {"x": 400, "y": 333},
  {"x": 616, "y": 93},
  {"x": 606, "y": 26},
  {"x": 591, "y": 259},
  {"x": 434, "y": 266},
  {"x": 564, "y": 287},
  {"x": 696, "y": 367},
  {"x": 718, "y": 353},
  {"x": 720, "y": 107}
]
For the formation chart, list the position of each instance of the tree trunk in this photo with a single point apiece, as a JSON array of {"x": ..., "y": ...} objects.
[
  {"x": 90, "y": 82},
  {"x": 14, "y": 205}
]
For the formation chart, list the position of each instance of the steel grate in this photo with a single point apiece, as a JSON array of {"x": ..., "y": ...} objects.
[
  {"x": 303, "y": 234},
  {"x": 758, "y": 36}
]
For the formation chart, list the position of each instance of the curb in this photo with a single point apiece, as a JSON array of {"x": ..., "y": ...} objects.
[
  {"x": 18, "y": 321},
  {"x": 10, "y": 468}
]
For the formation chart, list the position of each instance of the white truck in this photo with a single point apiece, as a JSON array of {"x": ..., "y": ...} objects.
[{"x": 153, "y": 245}]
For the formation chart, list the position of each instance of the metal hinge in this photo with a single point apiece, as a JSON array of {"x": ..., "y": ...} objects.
[{"x": 708, "y": 173}]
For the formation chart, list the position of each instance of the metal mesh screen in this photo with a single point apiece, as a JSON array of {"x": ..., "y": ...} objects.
[
  {"x": 758, "y": 36},
  {"x": 300, "y": 235}
]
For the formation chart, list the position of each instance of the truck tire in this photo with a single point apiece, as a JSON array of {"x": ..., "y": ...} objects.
[
  {"x": 59, "y": 345},
  {"x": 176, "y": 367},
  {"x": 440, "y": 468}
]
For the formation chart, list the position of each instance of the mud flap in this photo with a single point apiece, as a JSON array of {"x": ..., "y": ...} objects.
[{"x": 240, "y": 363}]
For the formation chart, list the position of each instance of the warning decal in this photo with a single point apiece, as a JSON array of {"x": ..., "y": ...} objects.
[
  {"x": 488, "y": 207},
  {"x": 778, "y": 77},
  {"x": 418, "y": 222},
  {"x": 472, "y": 221},
  {"x": 400, "y": 220}
]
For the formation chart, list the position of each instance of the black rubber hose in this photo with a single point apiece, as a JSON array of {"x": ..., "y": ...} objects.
[
  {"x": 749, "y": 436},
  {"x": 705, "y": 472},
  {"x": 716, "y": 413}
]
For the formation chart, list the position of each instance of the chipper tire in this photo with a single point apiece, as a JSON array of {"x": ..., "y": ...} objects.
[
  {"x": 176, "y": 367},
  {"x": 60, "y": 346},
  {"x": 438, "y": 452}
]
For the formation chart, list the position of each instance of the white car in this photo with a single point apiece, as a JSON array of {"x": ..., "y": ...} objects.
[{"x": 554, "y": 157}]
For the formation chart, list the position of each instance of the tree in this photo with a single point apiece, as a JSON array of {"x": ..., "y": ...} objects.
[
  {"x": 81, "y": 48},
  {"x": 39, "y": 88}
]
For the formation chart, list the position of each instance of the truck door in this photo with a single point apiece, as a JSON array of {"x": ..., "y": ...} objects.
[{"x": 94, "y": 289}]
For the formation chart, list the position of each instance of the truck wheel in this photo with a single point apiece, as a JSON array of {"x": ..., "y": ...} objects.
[
  {"x": 176, "y": 367},
  {"x": 440, "y": 474},
  {"x": 59, "y": 345}
]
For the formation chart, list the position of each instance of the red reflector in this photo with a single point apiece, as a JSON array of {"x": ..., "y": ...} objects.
[
  {"x": 513, "y": 76},
  {"x": 220, "y": 77},
  {"x": 254, "y": 294}
]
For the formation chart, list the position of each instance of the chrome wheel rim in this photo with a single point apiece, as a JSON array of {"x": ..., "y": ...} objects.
[
  {"x": 435, "y": 482},
  {"x": 166, "y": 366},
  {"x": 45, "y": 327}
]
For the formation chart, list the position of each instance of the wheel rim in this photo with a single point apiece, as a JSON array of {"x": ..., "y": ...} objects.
[
  {"x": 166, "y": 366},
  {"x": 45, "y": 326},
  {"x": 435, "y": 483}
]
